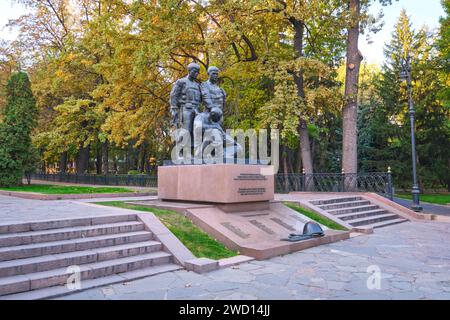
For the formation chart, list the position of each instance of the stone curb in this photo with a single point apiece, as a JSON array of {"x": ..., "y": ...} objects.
[{"x": 202, "y": 265}]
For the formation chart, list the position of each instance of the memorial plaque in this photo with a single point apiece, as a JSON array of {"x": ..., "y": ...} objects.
[
  {"x": 235, "y": 230},
  {"x": 283, "y": 224},
  {"x": 250, "y": 176},
  {"x": 262, "y": 226},
  {"x": 296, "y": 217},
  {"x": 251, "y": 191}
]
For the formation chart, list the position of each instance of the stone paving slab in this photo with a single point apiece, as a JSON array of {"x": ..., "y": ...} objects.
[{"x": 17, "y": 209}]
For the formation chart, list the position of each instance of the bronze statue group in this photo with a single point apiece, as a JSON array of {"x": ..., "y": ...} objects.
[{"x": 187, "y": 97}]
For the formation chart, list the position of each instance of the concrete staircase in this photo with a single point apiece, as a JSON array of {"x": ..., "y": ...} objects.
[
  {"x": 35, "y": 256},
  {"x": 358, "y": 212}
]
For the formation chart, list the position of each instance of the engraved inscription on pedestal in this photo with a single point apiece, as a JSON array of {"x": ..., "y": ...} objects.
[
  {"x": 235, "y": 230},
  {"x": 250, "y": 176},
  {"x": 262, "y": 226},
  {"x": 296, "y": 217},
  {"x": 283, "y": 224},
  {"x": 255, "y": 214},
  {"x": 251, "y": 191}
]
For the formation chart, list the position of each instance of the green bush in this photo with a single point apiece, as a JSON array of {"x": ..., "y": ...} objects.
[{"x": 134, "y": 172}]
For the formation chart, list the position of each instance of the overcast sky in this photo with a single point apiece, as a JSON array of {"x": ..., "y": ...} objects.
[{"x": 421, "y": 12}]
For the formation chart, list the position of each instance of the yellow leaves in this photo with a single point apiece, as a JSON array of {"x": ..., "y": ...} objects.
[
  {"x": 286, "y": 107},
  {"x": 59, "y": 73},
  {"x": 71, "y": 56}
]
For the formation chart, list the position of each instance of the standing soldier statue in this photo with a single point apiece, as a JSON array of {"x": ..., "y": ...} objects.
[
  {"x": 213, "y": 96},
  {"x": 185, "y": 99}
]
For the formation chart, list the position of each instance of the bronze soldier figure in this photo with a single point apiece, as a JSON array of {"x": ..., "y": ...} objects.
[
  {"x": 212, "y": 95},
  {"x": 185, "y": 98},
  {"x": 209, "y": 119}
]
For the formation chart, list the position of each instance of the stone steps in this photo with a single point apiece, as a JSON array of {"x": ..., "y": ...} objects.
[
  {"x": 346, "y": 204},
  {"x": 354, "y": 209},
  {"x": 55, "y": 247},
  {"x": 38, "y": 258},
  {"x": 48, "y": 262},
  {"x": 387, "y": 223},
  {"x": 358, "y": 212},
  {"x": 334, "y": 200},
  {"x": 372, "y": 219},
  {"x": 59, "y": 277},
  {"x": 58, "y": 291},
  {"x": 13, "y": 227},
  {"x": 361, "y": 214},
  {"x": 21, "y": 238}
]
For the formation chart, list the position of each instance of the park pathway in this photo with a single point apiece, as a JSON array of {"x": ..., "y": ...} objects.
[{"x": 427, "y": 207}]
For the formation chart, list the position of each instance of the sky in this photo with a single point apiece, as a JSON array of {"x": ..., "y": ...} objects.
[{"x": 420, "y": 11}]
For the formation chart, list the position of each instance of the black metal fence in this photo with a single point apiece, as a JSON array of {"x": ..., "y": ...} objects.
[
  {"x": 378, "y": 182},
  {"x": 138, "y": 180}
]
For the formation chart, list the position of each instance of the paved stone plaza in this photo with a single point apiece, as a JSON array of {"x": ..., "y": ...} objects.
[{"x": 413, "y": 258}]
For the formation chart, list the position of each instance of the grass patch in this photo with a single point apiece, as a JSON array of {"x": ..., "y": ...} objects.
[
  {"x": 438, "y": 198},
  {"x": 316, "y": 217},
  {"x": 60, "y": 189},
  {"x": 195, "y": 239}
]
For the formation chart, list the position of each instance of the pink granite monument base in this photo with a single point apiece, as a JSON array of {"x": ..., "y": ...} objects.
[{"x": 215, "y": 183}]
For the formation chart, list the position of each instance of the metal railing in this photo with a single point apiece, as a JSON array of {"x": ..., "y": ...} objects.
[
  {"x": 378, "y": 182},
  {"x": 138, "y": 180}
]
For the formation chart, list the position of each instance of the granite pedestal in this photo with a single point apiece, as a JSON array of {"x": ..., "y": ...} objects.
[{"x": 215, "y": 183}]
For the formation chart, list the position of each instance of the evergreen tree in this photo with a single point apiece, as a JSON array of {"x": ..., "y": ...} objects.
[
  {"x": 19, "y": 120},
  {"x": 386, "y": 131}
]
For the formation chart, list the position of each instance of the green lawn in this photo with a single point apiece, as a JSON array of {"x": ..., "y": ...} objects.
[
  {"x": 438, "y": 198},
  {"x": 195, "y": 239},
  {"x": 59, "y": 189},
  {"x": 316, "y": 217}
]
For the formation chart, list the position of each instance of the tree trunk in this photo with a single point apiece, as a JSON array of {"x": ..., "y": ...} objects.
[
  {"x": 141, "y": 158},
  {"x": 105, "y": 158},
  {"x": 115, "y": 165},
  {"x": 63, "y": 162},
  {"x": 305, "y": 147},
  {"x": 82, "y": 161},
  {"x": 448, "y": 177},
  {"x": 299, "y": 160},
  {"x": 285, "y": 169},
  {"x": 98, "y": 160},
  {"x": 290, "y": 160},
  {"x": 350, "y": 112}
]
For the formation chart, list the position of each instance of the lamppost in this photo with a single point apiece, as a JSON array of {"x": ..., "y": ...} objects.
[{"x": 406, "y": 75}]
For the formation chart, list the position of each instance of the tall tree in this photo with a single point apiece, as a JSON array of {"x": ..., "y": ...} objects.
[
  {"x": 384, "y": 121},
  {"x": 350, "y": 111},
  {"x": 19, "y": 119},
  {"x": 357, "y": 10}
]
